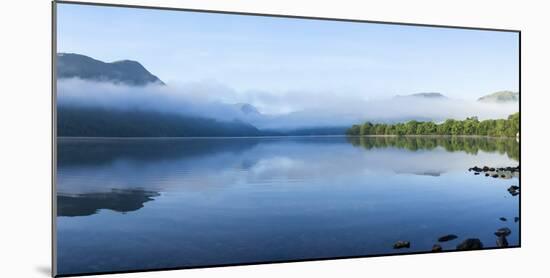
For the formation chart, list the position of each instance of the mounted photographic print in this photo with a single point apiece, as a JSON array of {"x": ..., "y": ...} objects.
[{"x": 189, "y": 138}]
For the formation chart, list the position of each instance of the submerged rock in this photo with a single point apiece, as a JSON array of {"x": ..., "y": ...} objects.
[
  {"x": 401, "y": 244},
  {"x": 470, "y": 244},
  {"x": 503, "y": 219},
  {"x": 476, "y": 173},
  {"x": 503, "y": 232},
  {"x": 502, "y": 241},
  {"x": 447, "y": 238},
  {"x": 516, "y": 219},
  {"x": 437, "y": 248}
]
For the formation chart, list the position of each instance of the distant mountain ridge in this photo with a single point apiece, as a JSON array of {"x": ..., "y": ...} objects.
[
  {"x": 128, "y": 72},
  {"x": 82, "y": 121},
  {"x": 247, "y": 109},
  {"x": 77, "y": 120},
  {"x": 427, "y": 95},
  {"x": 244, "y": 119},
  {"x": 500, "y": 97}
]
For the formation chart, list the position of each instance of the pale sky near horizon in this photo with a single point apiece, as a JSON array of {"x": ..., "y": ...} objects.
[{"x": 278, "y": 55}]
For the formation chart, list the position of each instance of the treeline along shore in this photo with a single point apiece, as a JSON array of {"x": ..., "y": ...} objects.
[{"x": 470, "y": 126}]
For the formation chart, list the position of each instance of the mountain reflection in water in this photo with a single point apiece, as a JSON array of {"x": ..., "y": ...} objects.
[
  {"x": 211, "y": 201},
  {"x": 90, "y": 203},
  {"x": 117, "y": 170}
]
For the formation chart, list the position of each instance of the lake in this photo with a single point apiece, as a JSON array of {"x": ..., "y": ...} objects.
[{"x": 132, "y": 204}]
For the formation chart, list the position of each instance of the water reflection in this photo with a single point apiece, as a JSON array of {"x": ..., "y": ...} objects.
[
  {"x": 96, "y": 151},
  {"x": 197, "y": 202},
  {"x": 100, "y": 165},
  {"x": 96, "y": 174},
  {"x": 470, "y": 145},
  {"x": 90, "y": 203}
]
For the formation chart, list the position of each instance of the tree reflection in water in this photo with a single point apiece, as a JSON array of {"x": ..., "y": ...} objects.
[{"x": 468, "y": 144}]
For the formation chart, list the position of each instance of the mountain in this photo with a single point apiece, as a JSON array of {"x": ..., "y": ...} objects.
[
  {"x": 247, "y": 109},
  {"x": 82, "y": 121},
  {"x": 70, "y": 65},
  {"x": 428, "y": 95},
  {"x": 500, "y": 97}
]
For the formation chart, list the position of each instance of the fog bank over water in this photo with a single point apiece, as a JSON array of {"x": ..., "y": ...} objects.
[
  {"x": 276, "y": 110},
  {"x": 189, "y": 99}
]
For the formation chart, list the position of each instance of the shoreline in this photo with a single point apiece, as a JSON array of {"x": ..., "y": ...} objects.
[{"x": 277, "y": 136}]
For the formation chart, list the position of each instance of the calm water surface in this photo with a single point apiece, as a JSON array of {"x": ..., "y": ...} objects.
[{"x": 127, "y": 204}]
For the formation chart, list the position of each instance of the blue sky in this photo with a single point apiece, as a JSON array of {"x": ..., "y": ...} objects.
[{"x": 282, "y": 55}]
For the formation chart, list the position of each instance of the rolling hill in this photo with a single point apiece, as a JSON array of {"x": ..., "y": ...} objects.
[
  {"x": 127, "y": 72},
  {"x": 500, "y": 97}
]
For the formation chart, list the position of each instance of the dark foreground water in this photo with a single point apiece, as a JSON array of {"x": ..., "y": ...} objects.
[{"x": 130, "y": 204}]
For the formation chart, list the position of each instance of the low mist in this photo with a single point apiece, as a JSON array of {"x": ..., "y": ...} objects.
[
  {"x": 286, "y": 110},
  {"x": 196, "y": 99}
]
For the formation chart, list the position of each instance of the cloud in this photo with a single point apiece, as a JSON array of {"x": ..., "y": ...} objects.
[
  {"x": 437, "y": 109},
  {"x": 279, "y": 110},
  {"x": 343, "y": 110},
  {"x": 207, "y": 99}
]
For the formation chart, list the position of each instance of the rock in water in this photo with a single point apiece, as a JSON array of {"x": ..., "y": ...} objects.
[
  {"x": 437, "y": 248},
  {"x": 476, "y": 173},
  {"x": 513, "y": 190},
  {"x": 516, "y": 219},
  {"x": 447, "y": 238},
  {"x": 503, "y": 232},
  {"x": 401, "y": 244},
  {"x": 503, "y": 219},
  {"x": 470, "y": 244},
  {"x": 502, "y": 242}
]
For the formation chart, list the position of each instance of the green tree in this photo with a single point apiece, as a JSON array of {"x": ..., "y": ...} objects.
[
  {"x": 410, "y": 127},
  {"x": 354, "y": 130},
  {"x": 470, "y": 126},
  {"x": 366, "y": 128}
]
